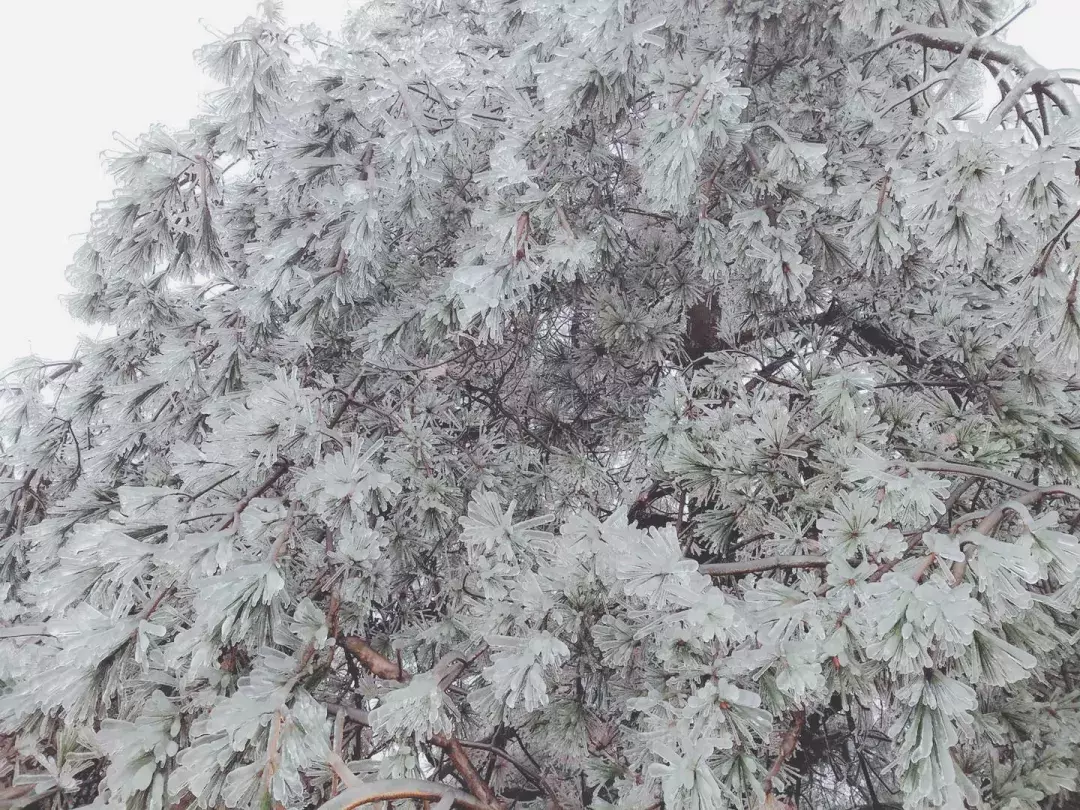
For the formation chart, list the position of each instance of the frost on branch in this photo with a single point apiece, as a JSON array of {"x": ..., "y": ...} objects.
[{"x": 589, "y": 405}]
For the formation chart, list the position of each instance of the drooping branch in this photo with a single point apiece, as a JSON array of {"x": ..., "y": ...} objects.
[{"x": 994, "y": 50}]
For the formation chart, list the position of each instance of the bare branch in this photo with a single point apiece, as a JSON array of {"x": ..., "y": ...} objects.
[{"x": 356, "y": 715}]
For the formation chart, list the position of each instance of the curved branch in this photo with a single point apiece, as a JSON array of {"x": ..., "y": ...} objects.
[
  {"x": 391, "y": 790},
  {"x": 994, "y": 50},
  {"x": 989, "y": 521}
]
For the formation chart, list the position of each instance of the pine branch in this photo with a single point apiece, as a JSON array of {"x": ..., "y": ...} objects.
[
  {"x": 463, "y": 765},
  {"x": 787, "y": 748},
  {"x": 375, "y": 662},
  {"x": 382, "y": 667},
  {"x": 1048, "y": 249},
  {"x": 522, "y": 768},
  {"x": 276, "y": 472},
  {"x": 791, "y": 562},
  {"x": 989, "y": 524},
  {"x": 994, "y": 50},
  {"x": 356, "y": 715},
  {"x": 391, "y": 790},
  {"x": 978, "y": 472}
]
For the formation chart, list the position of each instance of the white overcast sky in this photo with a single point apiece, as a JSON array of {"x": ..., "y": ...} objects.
[{"x": 74, "y": 72}]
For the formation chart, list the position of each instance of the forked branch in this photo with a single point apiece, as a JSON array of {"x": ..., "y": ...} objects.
[{"x": 991, "y": 49}]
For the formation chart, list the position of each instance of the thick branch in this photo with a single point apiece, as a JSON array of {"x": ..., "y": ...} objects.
[
  {"x": 988, "y": 523},
  {"x": 390, "y": 790},
  {"x": 463, "y": 765},
  {"x": 375, "y": 662},
  {"x": 764, "y": 564},
  {"x": 354, "y": 714}
]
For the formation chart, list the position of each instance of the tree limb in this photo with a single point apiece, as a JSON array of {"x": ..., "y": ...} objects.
[
  {"x": 992, "y": 49},
  {"x": 463, "y": 765},
  {"x": 787, "y": 748},
  {"x": 389, "y": 790},
  {"x": 375, "y": 662},
  {"x": 764, "y": 564},
  {"x": 978, "y": 472},
  {"x": 382, "y": 667}
]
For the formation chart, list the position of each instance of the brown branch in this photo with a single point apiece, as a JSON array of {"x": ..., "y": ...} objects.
[
  {"x": 455, "y": 750},
  {"x": 978, "y": 472},
  {"x": 356, "y": 715},
  {"x": 533, "y": 776},
  {"x": 375, "y": 662},
  {"x": 990, "y": 522},
  {"x": 390, "y": 790},
  {"x": 764, "y": 564},
  {"x": 463, "y": 765},
  {"x": 382, "y": 667},
  {"x": 162, "y": 595},
  {"x": 17, "y": 502},
  {"x": 524, "y": 769},
  {"x": 787, "y": 748},
  {"x": 277, "y": 471},
  {"x": 349, "y": 392}
]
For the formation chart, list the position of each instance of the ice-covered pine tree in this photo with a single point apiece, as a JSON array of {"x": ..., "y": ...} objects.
[{"x": 565, "y": 404}]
